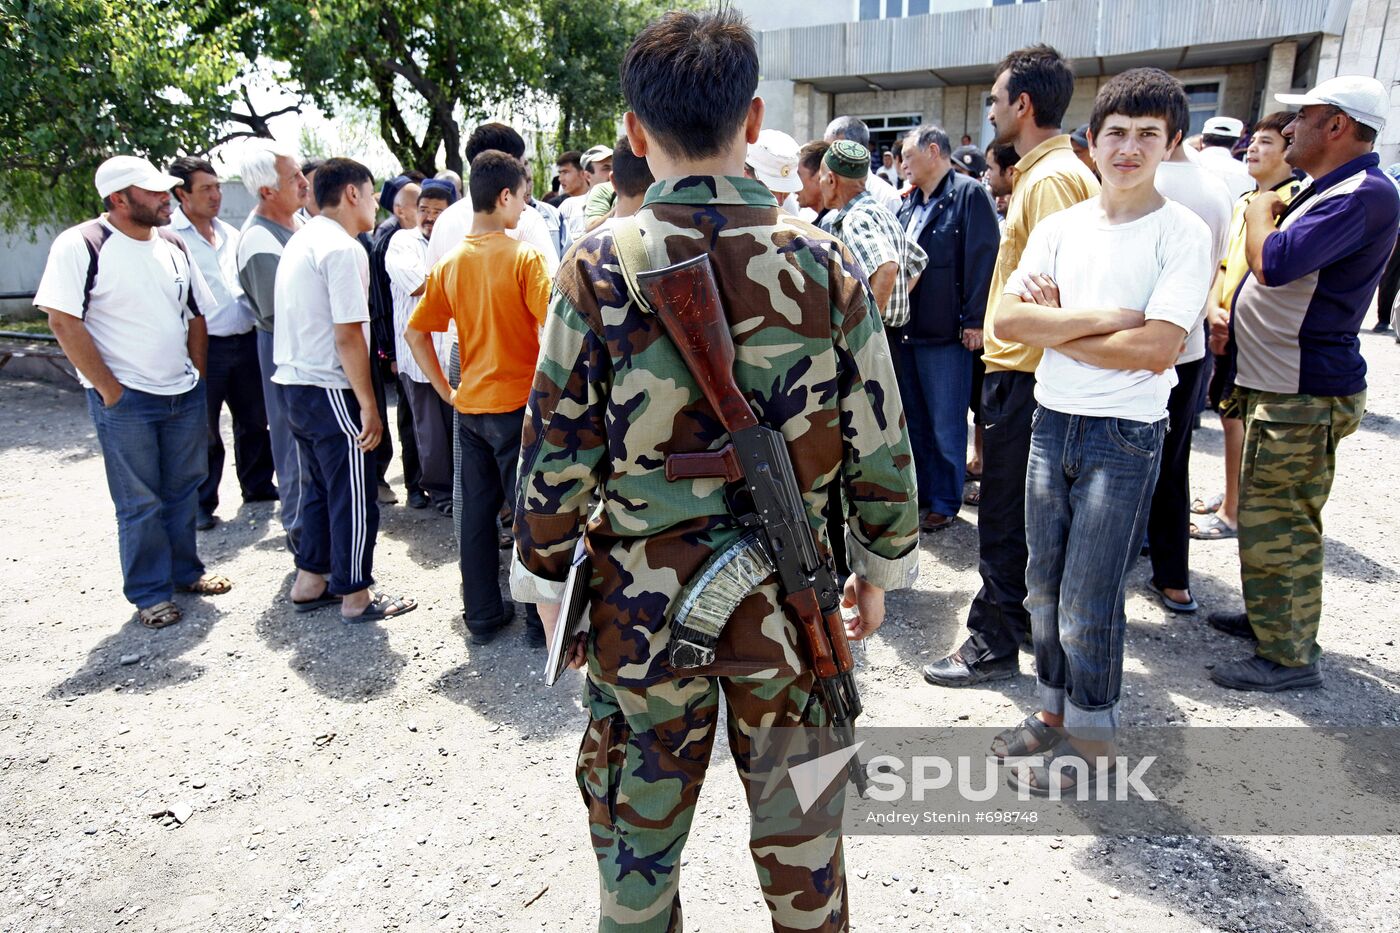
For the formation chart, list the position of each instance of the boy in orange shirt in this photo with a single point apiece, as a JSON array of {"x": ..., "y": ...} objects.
[{"x": 497, "y": 291}]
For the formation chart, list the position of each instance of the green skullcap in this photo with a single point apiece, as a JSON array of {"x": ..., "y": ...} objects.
[{"x": 848, "y": 159}]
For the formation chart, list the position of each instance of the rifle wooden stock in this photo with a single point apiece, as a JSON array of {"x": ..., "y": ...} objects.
[{"x": 686, "y": 300}]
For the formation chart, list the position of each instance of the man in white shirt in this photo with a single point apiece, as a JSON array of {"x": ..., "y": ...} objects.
[
  {"x": 1218, "y": 139},
  {"x": 1181, "y": 179},
  {"x": 1112, "y": 332},
  {"x": 406, "y": 263},
  {"x": 856, "y": 131},
  {"x": 321, "y": 348},
  {"x": 231, "y": 377},
  {"x": 456, "y": 221},
  {"x": 126, "y": 302},
  {"x": 573, "y": 182}
]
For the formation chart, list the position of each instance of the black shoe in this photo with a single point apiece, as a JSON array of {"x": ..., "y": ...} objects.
[
  {"x": 417, "y": 499},
  {"x": 953, "y": 671},
  {"x": 263, "y": 497},
  {"x": 534, "y": 634},
  {"x": 205, "y": 521},
  {"x": 1256, "y": 673},
  {"x": 1233, "y": 623},
  {"x": 1380, "y": 328},
  {"x": 479, "y": 634}
]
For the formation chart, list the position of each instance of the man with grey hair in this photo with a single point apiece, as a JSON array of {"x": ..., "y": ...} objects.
[
  {"x": 273, "y": 176},
  {"x": 950, "y": 216},
  {"x": 854, "y": 129}
]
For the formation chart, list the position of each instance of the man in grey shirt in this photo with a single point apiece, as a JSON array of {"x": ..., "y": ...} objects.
[{"x": 276, "y": 180}]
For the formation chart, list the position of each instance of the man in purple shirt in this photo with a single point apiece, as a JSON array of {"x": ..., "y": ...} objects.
[{"x": 1300, "y": 377}]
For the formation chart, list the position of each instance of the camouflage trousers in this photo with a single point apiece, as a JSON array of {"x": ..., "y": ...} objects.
[
  {"x": 1290, "y": 457},
  {"x": 640, "y": 769}
]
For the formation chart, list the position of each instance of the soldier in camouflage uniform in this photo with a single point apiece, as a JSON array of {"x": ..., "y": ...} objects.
[
  {"x": 1300, "y": 379},
  {"x": 612, "y": 399}
]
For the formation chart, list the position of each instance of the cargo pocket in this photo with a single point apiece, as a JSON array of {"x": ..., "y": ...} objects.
[
  {"x": 599, "y": 770},
  {"x": 1293, "y": 442}
]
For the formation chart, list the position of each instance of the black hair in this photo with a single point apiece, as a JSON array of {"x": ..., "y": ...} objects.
[
  {"x": 810, "y": 156},
  {"x": 1004, "y": 156},
  {"x": 185, "y": 167},
  {"x": 1141, "y": 92},
  {"x": 631, "y": 176},
  {"x": 311, "y": 165},
  {"x": 1224, "y": 142},
  {"x": 897, "y": 149},
  {"x": 1277, "y": 121},
  {"x": 496, "y": 136},
  {"x": 334, "y": 175},
  {"x": 690, "y": 78},
  {"x": 1042, "y": 73},
  {"x": 572, "y": 157},
  {"x": 493, "y": 171},
  {"x": 415, "y": 176}
]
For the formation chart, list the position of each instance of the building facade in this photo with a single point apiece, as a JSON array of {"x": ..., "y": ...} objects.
[{"x": 896, "y": 63}]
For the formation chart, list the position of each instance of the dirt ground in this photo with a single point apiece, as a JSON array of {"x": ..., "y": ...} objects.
[{"x": 391, "y": 777}]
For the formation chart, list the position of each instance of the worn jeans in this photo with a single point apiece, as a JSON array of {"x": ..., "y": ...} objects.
[
  {"x": 1089, "y": 487},
  {"x": 154, "y": 452},
  {"x": 935, "y": 382}
]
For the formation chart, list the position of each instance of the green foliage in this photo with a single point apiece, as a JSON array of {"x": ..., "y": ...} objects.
[
  {"x": 582, "y": 52},
  {"x": 81, "y": 80}
]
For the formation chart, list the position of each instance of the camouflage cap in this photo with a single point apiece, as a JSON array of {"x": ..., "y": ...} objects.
[{"x": 848, "y": 159}]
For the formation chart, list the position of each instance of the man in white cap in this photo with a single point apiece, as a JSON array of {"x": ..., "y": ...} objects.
[
  {"x": 597, "y": 166},
  {"x": 1218, "y": 139},
  {"x": 1300, "y": 378},
  {"x": 126, "y": 302},
  {"x": 772, "y": 162}
]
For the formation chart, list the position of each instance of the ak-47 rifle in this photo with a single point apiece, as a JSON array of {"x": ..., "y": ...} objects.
[{"x": 686, "y": 301}]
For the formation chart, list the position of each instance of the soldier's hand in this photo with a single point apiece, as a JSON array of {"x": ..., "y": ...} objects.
[
  {"x": 868, "y": 600},
  {"x": 549, "y": 615}
]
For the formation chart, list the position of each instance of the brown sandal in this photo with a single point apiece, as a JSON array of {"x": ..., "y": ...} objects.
[
  {"x": 160, "y": 615},
  {"x": 211, "y": 584}
]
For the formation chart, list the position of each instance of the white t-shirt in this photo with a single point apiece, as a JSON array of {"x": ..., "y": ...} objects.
[
  {"x": 884, "y": 192},
  {"x": 1159, "y": 263},
  {"x": 139, "y": 309},
  {"x": 455, "y": 223},
  {"x": 571, "y": 210},
  {"x": 1231, "y": 171},
  {"x": 322, "y": 280},
  {"x": 1198, "y": 189},
  {"x": 405, "y": 262}
]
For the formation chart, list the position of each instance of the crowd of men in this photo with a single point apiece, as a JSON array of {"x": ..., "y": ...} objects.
[{"x": 1083, "y": 295}]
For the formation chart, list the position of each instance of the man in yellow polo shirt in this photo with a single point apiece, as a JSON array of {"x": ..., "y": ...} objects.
[{"x": 1033, "y": 88}]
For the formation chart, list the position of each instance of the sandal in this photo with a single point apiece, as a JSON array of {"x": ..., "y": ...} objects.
[
  {"x": 1208, "y": 506},
  {"x": 1214, "y": 530},
  {"x": 1016, "y": 742},
  {"x": 383, "y": 607},
  {"x": 973, "y": 497},
  {"x": 160, "y": 615},
  {"x": 934, "y": 522},
  {"x": 211, "y": 584},
  {"x": 317, "y": 602},
  {"x": 1167, "y": 602},
  {"x": 1061, "y": 762}
]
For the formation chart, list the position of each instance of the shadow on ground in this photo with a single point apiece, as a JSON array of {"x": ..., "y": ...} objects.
[{"x": 158, "y": 654}]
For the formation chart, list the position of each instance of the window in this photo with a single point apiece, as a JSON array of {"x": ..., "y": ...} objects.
[
  {"x": 1203, "y": 100},
  {"x": 917, "y": 7},
  {"x": 894, "y": 9},
  {"x": 886, "y": 129},
  {"x": 870, "y": 9}
]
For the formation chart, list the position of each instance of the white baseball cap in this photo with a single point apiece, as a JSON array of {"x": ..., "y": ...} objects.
[
  {"x": 121, "y": 172},
  {"x": 773, "y": 158},
  {"x": 1361, "y": 98},
  {"x": 596, "y": 154},
  {"x": 1223, "y": 126}
]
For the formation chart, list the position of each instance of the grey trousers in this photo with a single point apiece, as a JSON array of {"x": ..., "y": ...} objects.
[{"x": 432, "y": 429}]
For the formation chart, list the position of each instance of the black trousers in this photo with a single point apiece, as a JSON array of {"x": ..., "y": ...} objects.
[
  {"x": 432, "y": 435},
  {"x": 1390, "y": 284},
  {"x": 408, "y": 440},
  {"x": 232, "y": 378},
  {"x": 489, "y": 454},
  {"x": 1169, "y": 522},
  {"x": 998, "y": 620}
]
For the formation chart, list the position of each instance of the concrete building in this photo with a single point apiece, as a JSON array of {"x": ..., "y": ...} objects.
[{"x": 895, "y": 63}]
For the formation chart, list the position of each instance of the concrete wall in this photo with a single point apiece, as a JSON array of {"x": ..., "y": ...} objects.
[
  {"x": 1370, "y": 45},
  {"x": 23, "y": 254}
]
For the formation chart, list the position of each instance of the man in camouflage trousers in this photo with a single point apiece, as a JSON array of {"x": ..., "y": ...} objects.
[
  {"x": 1300, "y": 380},
  {"x": 612, "y": 399}
]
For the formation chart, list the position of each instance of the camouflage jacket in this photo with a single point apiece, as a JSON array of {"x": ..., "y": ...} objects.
[{"x": 612, "y": 398}]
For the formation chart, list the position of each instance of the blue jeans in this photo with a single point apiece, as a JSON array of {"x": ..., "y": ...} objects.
[
  {"x": 935, "y": 384},
  {"x": 155, "y": 454},
  {"x": 286, "y": 456},
  {"x": 1088, "y": 491}
]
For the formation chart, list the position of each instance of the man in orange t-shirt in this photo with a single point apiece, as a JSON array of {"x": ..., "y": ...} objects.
[{"x": 497, "y": 291}]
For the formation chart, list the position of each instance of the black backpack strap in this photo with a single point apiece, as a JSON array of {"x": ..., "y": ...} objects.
[{"x": 94, "y": 234}]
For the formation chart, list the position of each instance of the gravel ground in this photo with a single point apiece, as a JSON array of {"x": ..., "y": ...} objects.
[{"x": 371, "y": 777}]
